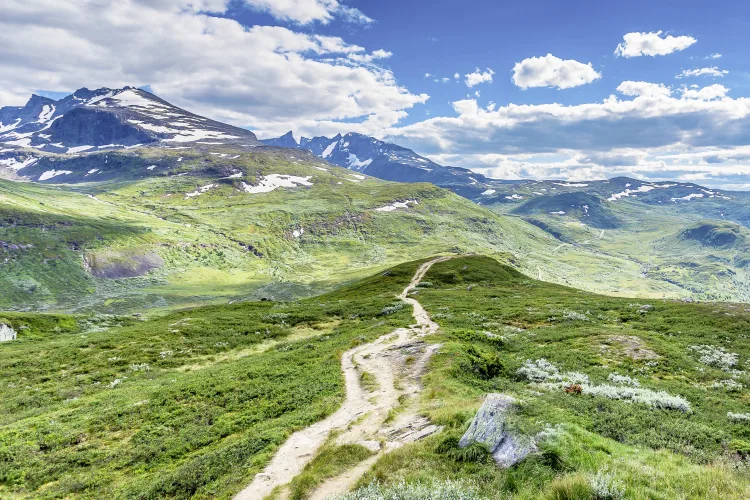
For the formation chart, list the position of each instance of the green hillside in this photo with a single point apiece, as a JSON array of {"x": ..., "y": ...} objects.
[
  {"x": 153, "y": 229},
  {"x": 194, "y": 403}
]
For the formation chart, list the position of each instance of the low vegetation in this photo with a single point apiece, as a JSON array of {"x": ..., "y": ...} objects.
[{"x": 193, "y": 404}]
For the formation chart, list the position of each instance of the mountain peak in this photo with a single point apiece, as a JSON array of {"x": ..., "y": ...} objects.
[{"x": 289, "y": 136}]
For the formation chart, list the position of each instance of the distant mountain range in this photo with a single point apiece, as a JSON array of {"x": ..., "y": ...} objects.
[{"x": 386, "y": 161}]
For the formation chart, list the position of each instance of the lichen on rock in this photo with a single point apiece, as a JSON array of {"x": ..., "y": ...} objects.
[{"x": 489, "y": 428}]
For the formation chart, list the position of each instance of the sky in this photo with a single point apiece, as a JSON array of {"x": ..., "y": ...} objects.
[{"x": 536, "y": 89}]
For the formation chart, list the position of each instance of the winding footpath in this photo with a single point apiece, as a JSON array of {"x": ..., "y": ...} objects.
[{"x": 381, "y": 420}]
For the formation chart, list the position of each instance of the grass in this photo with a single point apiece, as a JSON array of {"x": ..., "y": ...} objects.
[
  {"x": 493, "y": 319},
  {"x": 194, "y": 403},
  {"x": 188, "y": 405},
  {"x": 169, "y": 251},
  {"x": 330, "y": 461}
]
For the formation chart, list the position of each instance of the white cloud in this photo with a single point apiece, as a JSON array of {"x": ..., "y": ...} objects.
[
  {"x": 646, "y": 89},
  {"x": 637, "y": 136},
  {"x": 427, "y": 75},
  {"x": 551, "y": 71},
  {"x": 713, "y": 56},
  {"x": 478, "y": 77},
  {"x": 652, "y": 44},
  {"x": 456, "y": 76},
  {"x": 306, "y": 11},
  {"x": 263, "y": 76},
  {"x": 714, "y": 91},
  {"x": 712, "y": 71}
]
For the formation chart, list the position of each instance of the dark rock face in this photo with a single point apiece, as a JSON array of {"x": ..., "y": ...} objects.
[
  {"x": 93, "y": 127},
  {"x": 285, "y": 141},
  {"x": 115, "y": 265},
  {"x": 488, "y": 427}
]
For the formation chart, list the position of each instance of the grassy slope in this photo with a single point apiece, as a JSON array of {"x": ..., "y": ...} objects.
[
  {"x": 225, "y": 384},
  {"x": 189, "y": 404},
  {"x": 203, "y": 241},
  {"x": 651, "y": 453},
  {"x": 649, "y": 257}
]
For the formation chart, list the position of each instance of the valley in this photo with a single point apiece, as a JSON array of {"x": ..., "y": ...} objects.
[{"x": 190, "y": 312}]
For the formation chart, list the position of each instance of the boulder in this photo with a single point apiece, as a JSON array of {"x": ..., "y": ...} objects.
[
  {"x": 6, "y": 333},
  {"x": 489, "y": 428}
]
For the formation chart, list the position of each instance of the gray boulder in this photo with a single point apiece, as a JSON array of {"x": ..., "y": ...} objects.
[
  {"x": 489, "y": 428},
  {"x": 6, "y": 333}
]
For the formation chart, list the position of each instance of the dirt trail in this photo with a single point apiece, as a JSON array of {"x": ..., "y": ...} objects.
[{"x": 396, "y": 361}]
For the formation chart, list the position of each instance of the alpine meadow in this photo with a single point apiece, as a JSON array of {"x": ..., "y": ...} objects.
[{"x": 356, "y": 250}]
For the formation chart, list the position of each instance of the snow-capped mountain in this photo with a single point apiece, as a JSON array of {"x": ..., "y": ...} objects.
[
  {"x": 90, "y": 120},
  {"x": 383, "y": 160}
]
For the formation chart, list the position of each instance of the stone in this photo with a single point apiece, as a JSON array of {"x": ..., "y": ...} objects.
[
  {"x": 6, "y": 333},
  {"x": 489, "y": 428}
]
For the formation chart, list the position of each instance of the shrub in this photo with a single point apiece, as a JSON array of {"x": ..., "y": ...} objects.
[
  {"x": 606, "y": 487},
  {"x": 715, "y": 356},
  {"x": 483, "y": 366},
  {"x": 618, "y": 379},
  {"x": 436, "y": 490},
  {"x": 393, "y": 308}
]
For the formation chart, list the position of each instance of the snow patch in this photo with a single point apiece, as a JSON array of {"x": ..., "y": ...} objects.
[
  {"x": 18, "y": 165},
  {"x": 46, "y": 114},
  {"x": 270, "y": 182},
  {"x": 628, "y": 192},
  {"x": 327, "y": 152},
  {"x": 49, "y": 174},
  {"x": 78, "y": 149},
  {"x": 397, "y": 204},
  {"x": 688, "y": 197},
  {"x": 151, "y": 167},
  {"x": 199, "y": 191}
]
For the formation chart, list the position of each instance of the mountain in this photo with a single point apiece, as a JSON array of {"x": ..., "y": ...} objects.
[
  {"x": 386, "y": 161},
  {"x": 91, "y": 120},
  {"x": 181, "y": 221}
]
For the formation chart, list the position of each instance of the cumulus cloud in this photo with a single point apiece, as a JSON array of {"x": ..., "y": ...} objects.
[
  {"x": 551, "y": 71},
  {"x": 264, "y": 77},
  {"x": 305, "y": 11},
  {"x": 478, "y": 77},
  {"x": 652, "y": 44},
  {"x": 646, "y": 89},
  {"x": 714, "y": 91},
  {"x": 712, "y": 71},
  {"x": 715, "y": 55},
  {"x": 641, "y": 131}
]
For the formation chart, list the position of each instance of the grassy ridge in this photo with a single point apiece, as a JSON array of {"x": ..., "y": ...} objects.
[
  {"x": 193, "y": 404},
  {"x": 493, "y": 320}
]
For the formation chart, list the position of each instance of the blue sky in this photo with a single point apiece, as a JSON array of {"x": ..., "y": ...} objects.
[
  {"x": 442, "y": 38},
  {"x": 550, "y": 94}
]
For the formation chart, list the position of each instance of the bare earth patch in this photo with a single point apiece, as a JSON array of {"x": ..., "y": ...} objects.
[{"x": 632, "y": 346}]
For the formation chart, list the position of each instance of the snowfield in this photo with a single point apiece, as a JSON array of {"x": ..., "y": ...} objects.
[{"x": 274, "y": 181}]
